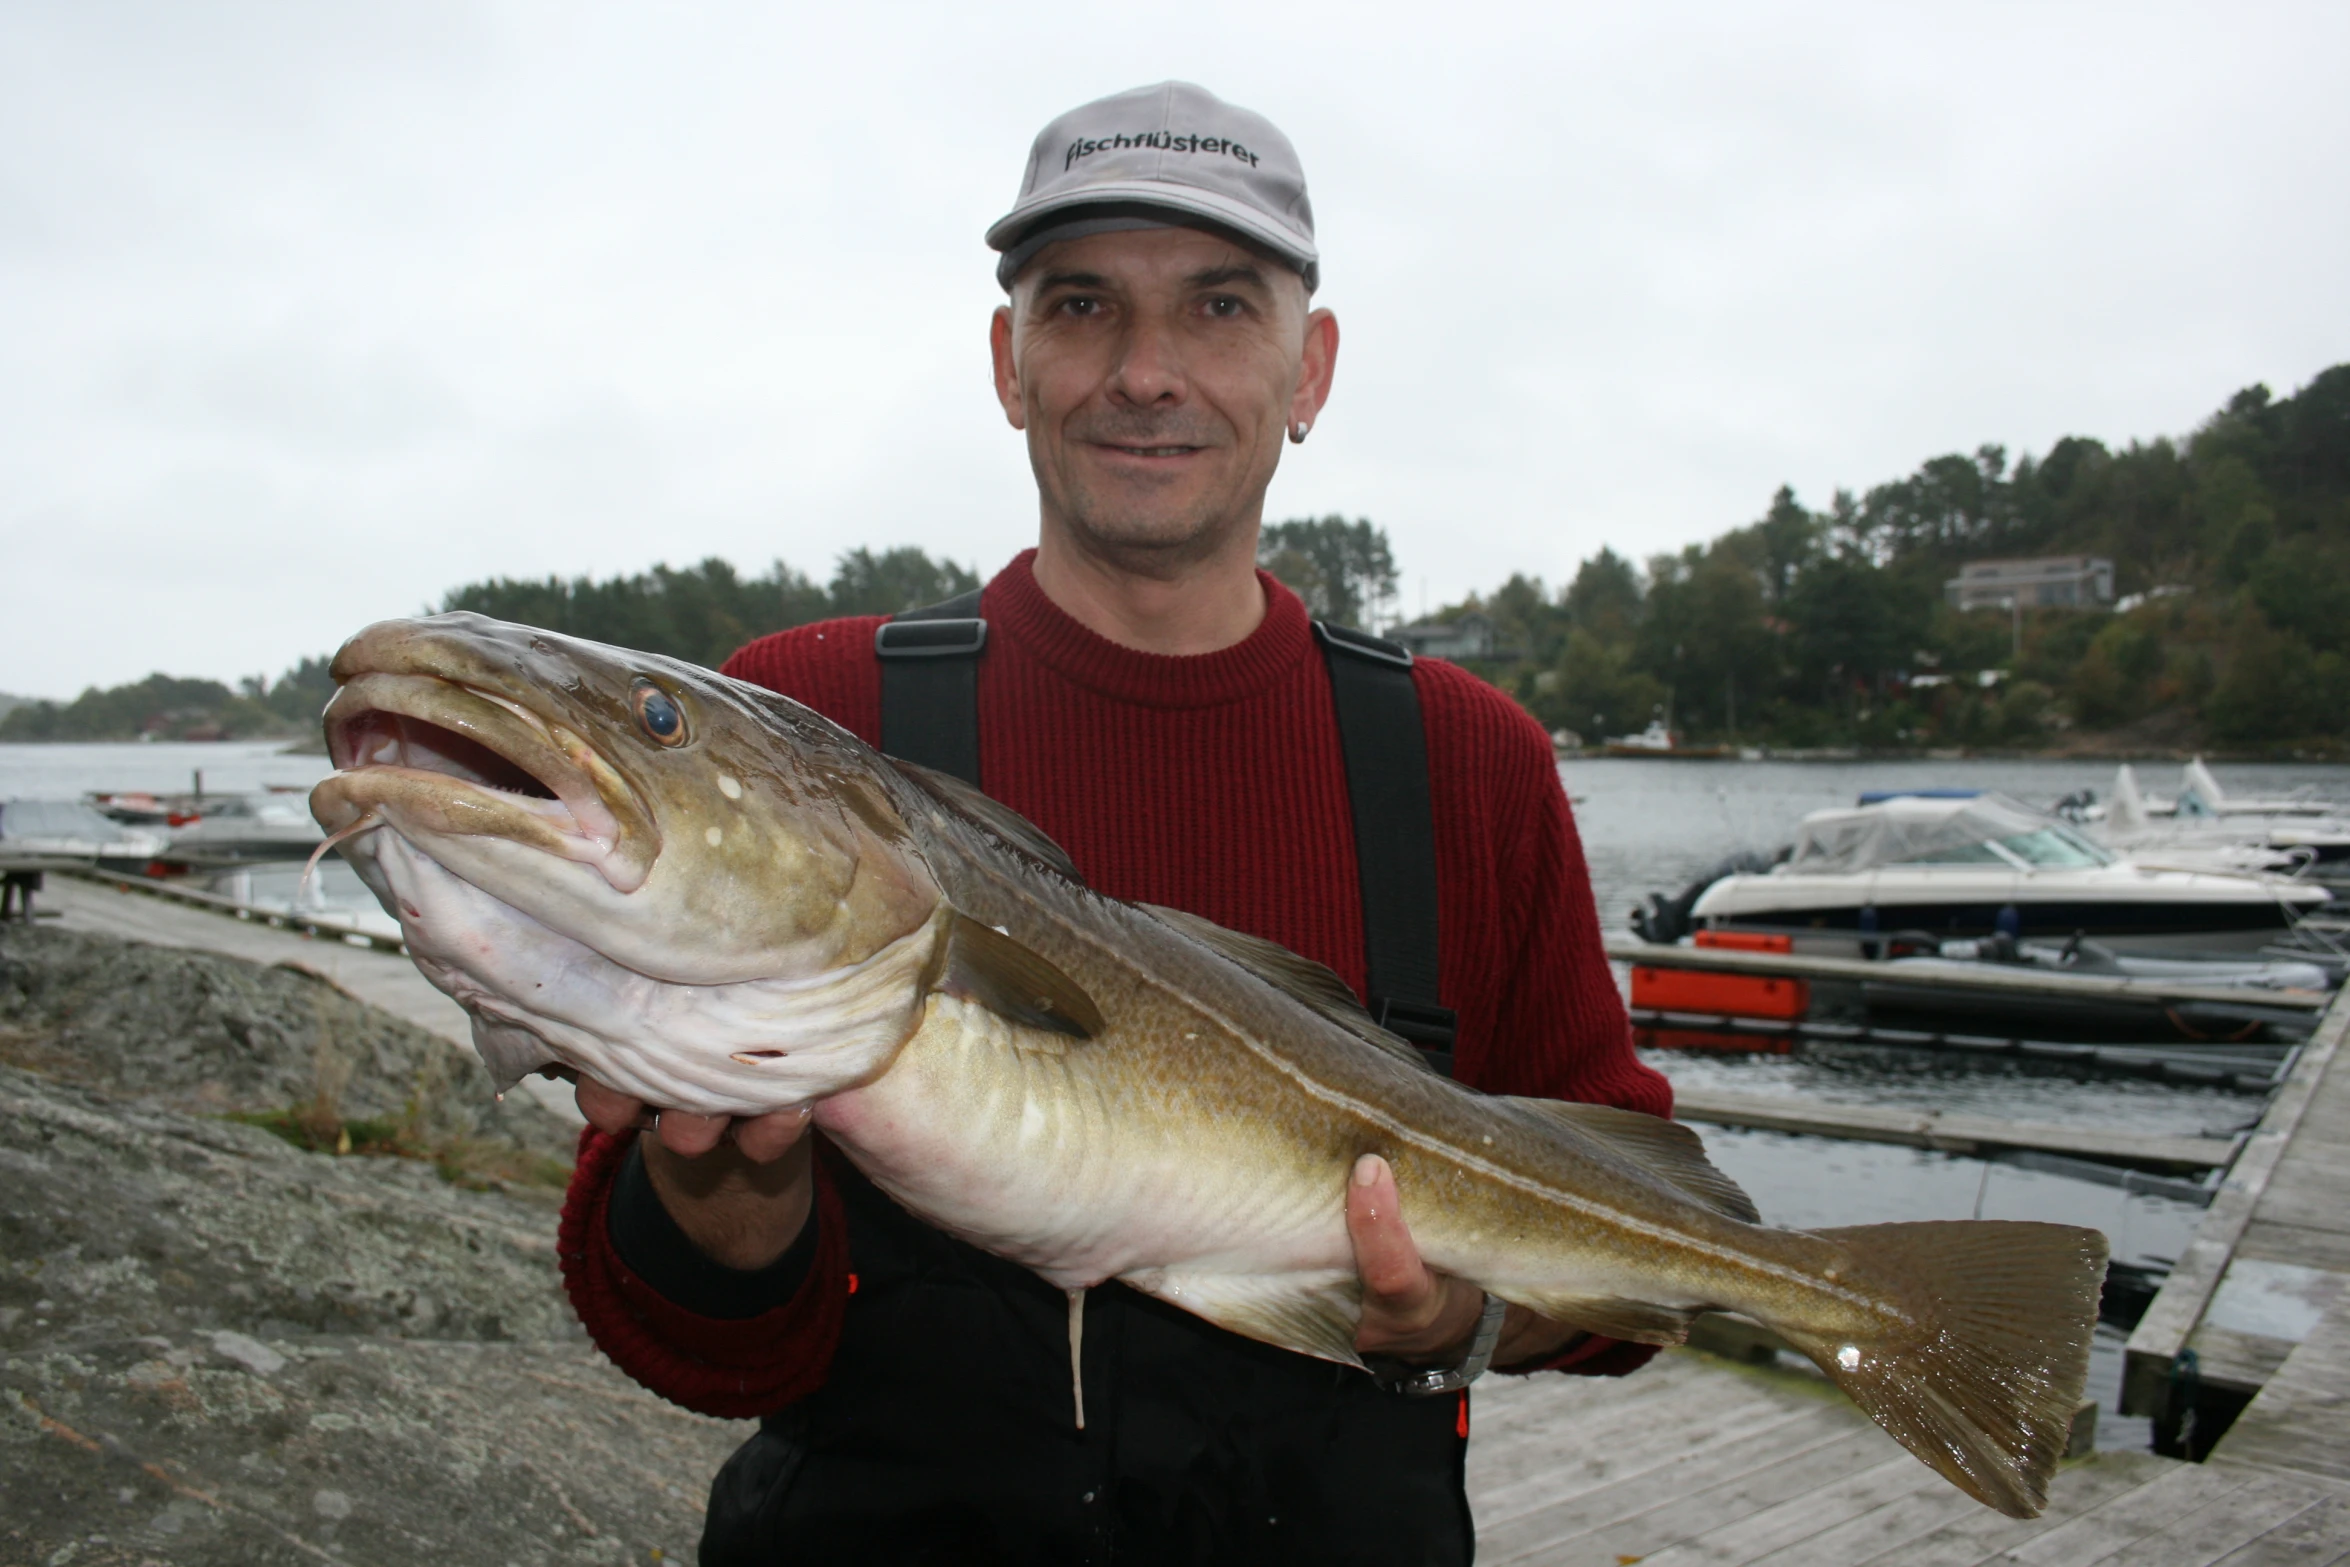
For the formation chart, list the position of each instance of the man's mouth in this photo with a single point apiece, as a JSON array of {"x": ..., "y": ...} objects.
[{"x": 1150, "y": 451}]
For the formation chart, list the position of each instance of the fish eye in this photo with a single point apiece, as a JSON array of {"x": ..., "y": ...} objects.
[{"x": 659, "y": 716}]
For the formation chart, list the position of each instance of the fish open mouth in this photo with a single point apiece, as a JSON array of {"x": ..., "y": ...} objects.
[
  {"x": 432, "y": 754},
  {"x": 376, "y": 738}
]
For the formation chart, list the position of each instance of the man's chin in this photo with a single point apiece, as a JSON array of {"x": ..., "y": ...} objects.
[{"x": 1150, "y": 544}]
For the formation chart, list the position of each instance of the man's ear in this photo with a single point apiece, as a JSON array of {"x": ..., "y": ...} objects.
[
  {"x": 1315, "y": 368},
  {"x": 1007, "y": 374}
]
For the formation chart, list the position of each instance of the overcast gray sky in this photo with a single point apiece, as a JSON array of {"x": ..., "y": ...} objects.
[{"x": 310, "y": 312}]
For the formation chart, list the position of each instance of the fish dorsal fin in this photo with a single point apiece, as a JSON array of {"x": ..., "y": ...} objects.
[
  {"x": 987, "y": 968},
  {"x": 1671, "y": 1151},
  {"x": 1302, "y": 979},
  {"x": 993, "y": 816}
]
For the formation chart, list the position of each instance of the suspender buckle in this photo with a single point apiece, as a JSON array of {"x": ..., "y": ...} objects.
[
  {"x": 1422, "y": 1024},
  {"x": 1346, "y": 639},
  {"x": 929, "y": 638}
]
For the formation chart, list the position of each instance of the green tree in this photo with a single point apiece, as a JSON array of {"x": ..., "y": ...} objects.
[
  {"x": 1597, "y": 693},
  {"x": 1345, "y": 571},
  {"x": 864, "y": 583},
  {"x": 1605, "y": 599}
]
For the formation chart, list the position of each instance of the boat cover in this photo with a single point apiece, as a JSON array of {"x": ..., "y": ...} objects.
[{"x": 1916, "y": 829}]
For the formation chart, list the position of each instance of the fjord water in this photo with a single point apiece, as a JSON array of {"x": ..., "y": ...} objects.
[{"x": 1650, "y": 826}]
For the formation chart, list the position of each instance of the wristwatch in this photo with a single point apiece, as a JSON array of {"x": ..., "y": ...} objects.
[{"x": 1428, "y": 1381}]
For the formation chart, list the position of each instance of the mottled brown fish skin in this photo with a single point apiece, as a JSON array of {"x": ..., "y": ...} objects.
[{"x": 1091, "y": 1088}]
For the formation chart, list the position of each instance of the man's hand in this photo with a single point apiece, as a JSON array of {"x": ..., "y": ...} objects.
[
  {"x": 739, "y": 1187},
  {"x": 1410, "y": 1311}
]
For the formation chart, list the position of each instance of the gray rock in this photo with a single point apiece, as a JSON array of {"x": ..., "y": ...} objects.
[{"x": 218, "y": 1348}]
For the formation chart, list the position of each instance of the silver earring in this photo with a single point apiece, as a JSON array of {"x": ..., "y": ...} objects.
[{"x": 1297, "y": 433}]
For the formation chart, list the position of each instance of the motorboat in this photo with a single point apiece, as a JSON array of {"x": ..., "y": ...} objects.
[
  {"x": 1659, "y": 741},
  {"x": 57, "y": 835},
  {"x": 2201, "y": 797},
  {"x": 244, "y": 829},
  {"x": 1931, "y": 869},
  {"x": 2240, "y": 1001},
  {"x": 2192, "y": 836}
]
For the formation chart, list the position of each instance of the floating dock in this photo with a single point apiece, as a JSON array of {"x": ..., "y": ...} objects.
[{"x": 2267, "y": 1265}]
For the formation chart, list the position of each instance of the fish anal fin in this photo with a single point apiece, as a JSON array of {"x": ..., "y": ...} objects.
[
  {"x": 1981, "y": 1369},
  {"x": 1667, "y": 1149},
  {"x": 1301, "y": 979},
  {"x": 1635, "y": 1321},
  {"x": 1309, "y": 1313},
  {"x": 989, "y": 969}
]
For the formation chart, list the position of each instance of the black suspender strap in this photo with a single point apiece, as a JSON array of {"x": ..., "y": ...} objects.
[
  {"x": 1386, "y": 753},
  {"x": 930, "y": 685},
  {"x": 930, "y": 715}
]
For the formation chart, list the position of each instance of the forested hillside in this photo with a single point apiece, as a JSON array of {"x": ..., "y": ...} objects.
[
  {"x": 1803, "y": 628},
  {"x": 2232, "y": 553}
]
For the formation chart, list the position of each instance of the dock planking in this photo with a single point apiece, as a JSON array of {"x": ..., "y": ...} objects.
[
  {"x": 1743, "y": 1465},
  {"x": 2272, "y": 1251}
]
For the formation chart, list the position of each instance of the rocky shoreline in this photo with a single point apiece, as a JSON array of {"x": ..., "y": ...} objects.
[{"x": 217, "y": 1346}]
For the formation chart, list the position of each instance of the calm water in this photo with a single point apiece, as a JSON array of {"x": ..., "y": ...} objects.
[
  {"x": 54, "y": 772},
  {"x": 1647, "y": 827}
]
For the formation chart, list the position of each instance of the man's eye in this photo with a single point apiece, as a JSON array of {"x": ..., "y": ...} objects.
[
  {"x": 1224, "y": 305},
  {"x": 1081, "y": 305}
]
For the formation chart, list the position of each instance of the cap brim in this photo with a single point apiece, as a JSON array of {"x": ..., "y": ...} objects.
[{"x": 1186, "y": 200}]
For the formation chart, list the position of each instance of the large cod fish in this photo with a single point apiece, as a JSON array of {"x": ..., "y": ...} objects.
[{"x": 710, "y": 897}]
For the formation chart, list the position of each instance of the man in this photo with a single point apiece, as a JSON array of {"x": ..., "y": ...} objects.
[{"x": 1159, "y": 707}]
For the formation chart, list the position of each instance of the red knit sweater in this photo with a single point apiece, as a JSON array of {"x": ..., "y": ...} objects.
[{"x": 1213, "y": 784}]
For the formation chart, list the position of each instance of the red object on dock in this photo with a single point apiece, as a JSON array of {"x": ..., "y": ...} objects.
[
  {"x": 1743, "y": 941},
  {"x": 1718, "y": 995}
]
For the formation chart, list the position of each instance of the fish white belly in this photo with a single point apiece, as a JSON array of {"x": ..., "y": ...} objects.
[{"x": 1025, "y": 1146}]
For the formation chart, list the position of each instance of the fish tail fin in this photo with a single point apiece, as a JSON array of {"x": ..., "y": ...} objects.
[{"x": 1980, "y": 1368}]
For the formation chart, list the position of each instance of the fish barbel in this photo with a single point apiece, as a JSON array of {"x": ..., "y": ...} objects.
[{"x": 713, "y": 899}]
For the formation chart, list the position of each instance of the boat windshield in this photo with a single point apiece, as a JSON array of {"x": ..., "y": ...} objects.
[
  {"x": 1987, "y": 830},
  {"x": 2055, "y": 846}
]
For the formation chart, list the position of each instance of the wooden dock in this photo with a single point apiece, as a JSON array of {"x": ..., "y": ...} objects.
[
  {"x": 1950, "y": 1132},
  {"x": 1699, "y": 1460},
  {"x": 2270, "y": 1259}
]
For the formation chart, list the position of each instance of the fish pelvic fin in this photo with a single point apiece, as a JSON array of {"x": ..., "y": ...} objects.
[
  {"x": 987, "y": 968},
  {"x": 1983, "y": 1375},
  {"x": 1668, "y": 1150},
  {"x": 1310, "y": 1313}
]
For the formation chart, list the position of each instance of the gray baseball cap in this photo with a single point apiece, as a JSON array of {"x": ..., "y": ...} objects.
[{"x": 1174, "y": 155}]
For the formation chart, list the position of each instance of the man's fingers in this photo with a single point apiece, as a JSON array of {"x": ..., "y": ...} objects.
[
  {"x": 687, "y": 1135},
  {"x": 764, "y": 1139},
  {"x": 1385, "y": 1256},
  {"x": 608, "y": 1110}
]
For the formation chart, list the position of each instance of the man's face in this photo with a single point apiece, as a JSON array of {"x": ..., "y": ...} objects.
[{"x": 1155, "y": 373}]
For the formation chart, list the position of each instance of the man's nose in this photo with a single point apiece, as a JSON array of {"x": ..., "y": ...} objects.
[{"x": 1150, "y": 365}]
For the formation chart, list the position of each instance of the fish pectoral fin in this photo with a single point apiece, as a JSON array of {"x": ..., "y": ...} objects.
[
  {"x": 510, "y": 1051},
  {"x": 1310, "y": 1313},
  {"x": 1667, "y": 1149},
  {"x": 989, "y": 969},
  {"x": 1609, "y": 1316}
]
